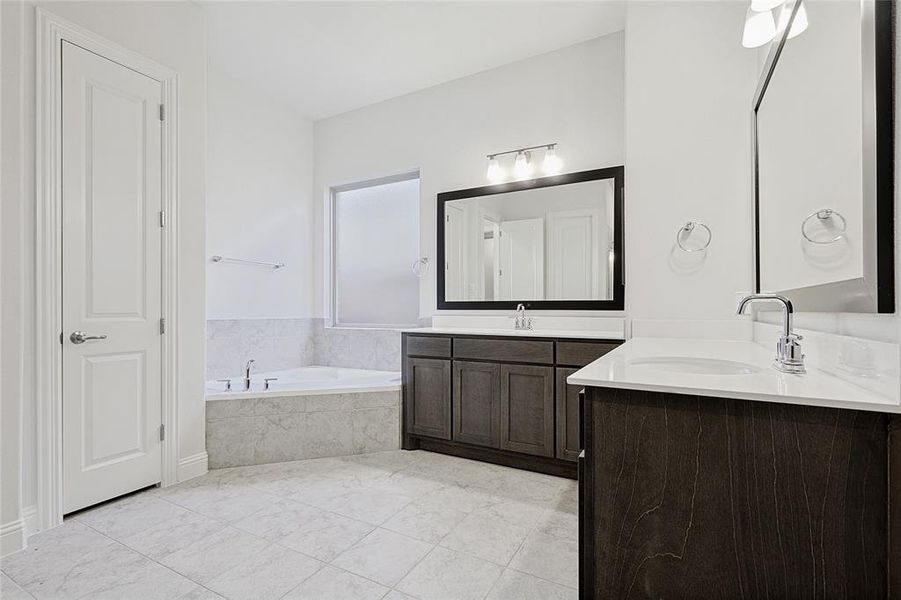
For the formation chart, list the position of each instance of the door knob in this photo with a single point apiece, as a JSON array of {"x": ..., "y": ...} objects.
[{"x": 80, "y": 337}]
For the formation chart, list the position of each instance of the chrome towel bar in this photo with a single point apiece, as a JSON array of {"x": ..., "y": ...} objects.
[{"x": 217, "y": 258}]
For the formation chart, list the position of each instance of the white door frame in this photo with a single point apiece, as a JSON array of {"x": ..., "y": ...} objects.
[{"x": 51, "y": 32}]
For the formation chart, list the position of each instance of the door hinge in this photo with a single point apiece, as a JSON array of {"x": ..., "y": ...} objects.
[
  {"x": 162, "y": 326},
  {"x": 62, "y": 340},
  {"x": 162, "y": 218},
  {"x": 162, "y": 432},
  {"x": 447, "y": 219},
  {"x": 162, "y": 112}
]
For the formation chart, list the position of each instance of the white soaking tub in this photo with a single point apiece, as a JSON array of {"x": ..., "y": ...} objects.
[{"x": 309, "y": 412}]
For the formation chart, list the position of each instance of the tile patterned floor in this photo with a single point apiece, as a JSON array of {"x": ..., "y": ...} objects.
[{"x": 392, "y": 526}]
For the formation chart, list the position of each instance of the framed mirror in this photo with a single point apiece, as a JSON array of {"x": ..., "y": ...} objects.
[
  {"x": 552, "y": 243},
  {"x": 823, "y": 157}
]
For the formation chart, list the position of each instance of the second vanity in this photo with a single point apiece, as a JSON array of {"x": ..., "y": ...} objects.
[
  {"x": 498, "y": 395},
  {"x": 705, "y": 472}
]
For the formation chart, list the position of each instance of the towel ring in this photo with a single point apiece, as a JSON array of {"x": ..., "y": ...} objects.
[
  {"x": 688, "y": 228},
  {"x": 420, "y": 266},
  {"x": 824, "y": 214}
]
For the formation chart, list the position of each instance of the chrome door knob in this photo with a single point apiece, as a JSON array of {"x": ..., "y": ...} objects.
[{"x": 80, "y": 337}]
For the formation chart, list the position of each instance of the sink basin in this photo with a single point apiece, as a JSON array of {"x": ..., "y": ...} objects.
[{"x": 696, "y": 366}]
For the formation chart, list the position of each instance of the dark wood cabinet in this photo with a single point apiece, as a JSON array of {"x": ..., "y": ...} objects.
[
  {"x": 567, "y": 416},
  {"x": 683, "y": 496},
  {"x": 427, "y": 397},
  {"x": 527, "y": 409},
  {"x": 476, "y": 407},
  {"x": 499, "y": 399}
]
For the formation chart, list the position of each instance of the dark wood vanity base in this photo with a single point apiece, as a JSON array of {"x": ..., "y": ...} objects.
[
  {"x": 498, "y": 399},
  {"x": 693, "y": 497}
]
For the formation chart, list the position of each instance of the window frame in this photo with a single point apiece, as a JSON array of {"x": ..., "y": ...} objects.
[{"x": 332, "y": 247}]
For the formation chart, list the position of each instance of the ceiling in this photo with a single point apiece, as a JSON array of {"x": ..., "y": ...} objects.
[{"x": 326, "y": 58}]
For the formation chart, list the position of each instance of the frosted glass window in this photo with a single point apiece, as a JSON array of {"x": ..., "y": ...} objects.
[{"x": 376, "y": 236}]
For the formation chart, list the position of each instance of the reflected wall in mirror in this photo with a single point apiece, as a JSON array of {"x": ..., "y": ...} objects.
[
  {"x": 823, "y": 128},
  {"x": 552, "y": 243}
]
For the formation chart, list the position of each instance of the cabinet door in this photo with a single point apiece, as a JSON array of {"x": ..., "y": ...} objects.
[
  {"x": 427, "y": 393},
  {"x": 477, "y": 389},
  {"x": 527, "y": 409},
  {"x": 567, "y": 404}
]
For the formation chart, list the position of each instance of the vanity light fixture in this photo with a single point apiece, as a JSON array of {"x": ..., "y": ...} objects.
[
  {"x": 523, "y": 167},
  {"x": 760, "y": 28},
  {"x": 495, "y": 172},
  {"x": 552, "y": 163},
  {"x": 760, "y": 25},
  {"x": 765, "y": 5},
  {"x": 799, "y": 25}
]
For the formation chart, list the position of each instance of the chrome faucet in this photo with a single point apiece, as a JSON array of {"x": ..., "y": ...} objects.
[
  {"x": 247, "y": 369},
  {"x": 521, "y": 321},
  {"x": 789, "y": 358}
]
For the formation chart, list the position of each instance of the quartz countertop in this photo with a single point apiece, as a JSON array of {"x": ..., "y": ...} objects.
[
  {"x": 539, "y": 333},
  {"x": 642, "y": 364}
]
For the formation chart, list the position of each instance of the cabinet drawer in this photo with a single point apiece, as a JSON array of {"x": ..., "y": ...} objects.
[
  {"x": 521, "y": 351},
  {"x": 579, "y": 354},
  {"x": 422, "y": 345}
]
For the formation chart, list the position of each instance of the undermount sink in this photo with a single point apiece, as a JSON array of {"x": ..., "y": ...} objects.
[{"x": 696, "y": 366}]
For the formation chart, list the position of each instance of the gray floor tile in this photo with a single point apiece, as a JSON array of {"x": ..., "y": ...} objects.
[
  {"x": 268, "y": 575},
  {"x": 336, "y": 584},
  {"x": 514, "y": 585},
  {"x": 383, "y": 556},
  {"x": 549, "y": 557},
  {"x": 450, "y": 575}
]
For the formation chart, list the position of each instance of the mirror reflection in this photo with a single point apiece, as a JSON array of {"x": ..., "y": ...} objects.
[{"x": 548, "y": 243}]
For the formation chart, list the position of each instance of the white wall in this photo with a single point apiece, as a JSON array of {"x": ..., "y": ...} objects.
[
  {"x": 689, "y": 85},
  {"x": 573, "y": 96},
  {"x": 259, "y": 185},
  {"x": 172, "y": 34}
]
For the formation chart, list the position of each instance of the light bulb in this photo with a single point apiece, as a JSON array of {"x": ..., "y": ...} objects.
[
  {"x": 765, "y": 5},
  {"x": 799, "y": 24},
  {"x": 522, "y": 167},
  {"x": 552, "y": 163},
  {"x": 760, "y": 29},
  {"x": 495, "y": 173}
]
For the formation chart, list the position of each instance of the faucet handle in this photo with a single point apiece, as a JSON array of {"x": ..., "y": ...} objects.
[
  {"x": 266, "y": 381},
  {"x": 227, "y": 382}
]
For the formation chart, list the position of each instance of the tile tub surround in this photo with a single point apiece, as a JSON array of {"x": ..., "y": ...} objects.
[
  {"x": 267, "y": 429},
  {"x": 359, "y": 348},
  {"x": 311, "y": 530},
  {"x": 275, "y": 344}
]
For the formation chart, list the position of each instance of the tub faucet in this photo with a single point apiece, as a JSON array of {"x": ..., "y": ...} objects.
[
  {"x": 247, "y": 369},
  {"x": 789, "y": 358}
]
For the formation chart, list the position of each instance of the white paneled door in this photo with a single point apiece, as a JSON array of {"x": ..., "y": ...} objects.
[{"x": 111, "y": 280}]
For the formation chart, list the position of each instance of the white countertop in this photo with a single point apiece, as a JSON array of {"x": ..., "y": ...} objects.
[
  {"x": 766, "y": 384},
  {"x": 541, "y": 333}
]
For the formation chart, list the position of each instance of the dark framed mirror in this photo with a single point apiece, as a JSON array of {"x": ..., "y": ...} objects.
[
  {"x": 551, "y": 243},
  {"x": 823, "y": 126}
]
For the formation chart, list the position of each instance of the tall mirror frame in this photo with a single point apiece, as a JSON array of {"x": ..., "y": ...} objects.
[
  {"x": 877, "y": 17},
  {"x": 618, "y": 286}
]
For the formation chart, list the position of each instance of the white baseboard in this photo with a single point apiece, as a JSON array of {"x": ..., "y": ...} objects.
[
  {"x": 30, "y": 518},
  {"x": 12, "y": 537},
  {"x": 193, "y": 466}
]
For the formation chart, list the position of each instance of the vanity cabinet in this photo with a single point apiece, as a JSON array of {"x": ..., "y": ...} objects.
[
  {"x": 501, "y": 399},
  {"x": 527, "y": 409},
  {"x": 476, "y": 389},
  {"x": 427, "y": 382},
  {"x": 686, "y": 496}
]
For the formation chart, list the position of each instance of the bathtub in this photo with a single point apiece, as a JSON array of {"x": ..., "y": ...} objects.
[
  {"x": 306, "y": 380},
  {"x": 310, "y": 412}
]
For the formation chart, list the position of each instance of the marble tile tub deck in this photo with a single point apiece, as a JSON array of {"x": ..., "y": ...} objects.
[
  {"x": 391, "y": 525},
  {"x": 266, "y": 429}
]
